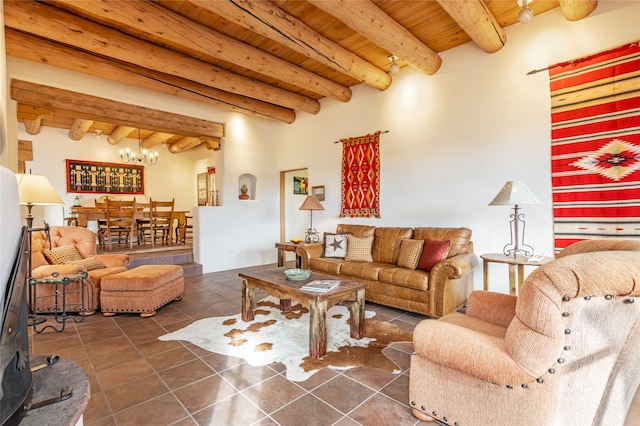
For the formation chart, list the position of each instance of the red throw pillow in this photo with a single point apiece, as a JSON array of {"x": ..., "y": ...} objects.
[{"x": 433, "y": 252}]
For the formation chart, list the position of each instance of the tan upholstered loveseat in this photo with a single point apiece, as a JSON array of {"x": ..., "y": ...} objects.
[
  {"x": 84, "y": 241},
  {"x": 566, "y": 351},
  {"x": 439, "y": 291}
]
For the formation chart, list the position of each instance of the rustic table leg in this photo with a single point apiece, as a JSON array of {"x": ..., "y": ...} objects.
[
  {"x": 280, "y": 257},
  {"x": 485, "y": 274},
  {"x": 317, "y": 328},
  {"x": 513, "y": 280},
  {"x": 285, "y": 305},
  {"x": 356, "y": 318},
  {"x": 248, "y": 306}
]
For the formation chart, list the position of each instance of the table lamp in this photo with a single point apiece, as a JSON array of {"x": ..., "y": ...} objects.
[
  {"x": 311, "y": 203},
  {"x": 36, "y": 190},
  {"x": 516, "y": 193}
]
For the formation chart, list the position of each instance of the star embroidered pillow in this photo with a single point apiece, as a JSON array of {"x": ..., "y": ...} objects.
[{"x": 335, "y": 245}]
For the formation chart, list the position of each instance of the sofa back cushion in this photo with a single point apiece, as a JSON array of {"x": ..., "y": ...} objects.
[
  {"x": 356, "y": 230},
  {"x": 82, "y": 238},
  {"x": 460, "y": 238},
  {"x": 386, "y": 243}
]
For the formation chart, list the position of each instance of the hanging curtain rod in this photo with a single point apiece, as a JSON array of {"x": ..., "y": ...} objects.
[{"x": 384, "y": 131}]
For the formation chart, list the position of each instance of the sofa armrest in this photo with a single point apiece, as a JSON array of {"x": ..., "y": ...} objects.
[
  {"x": 495, "y": 308},
  {"x": 307, "y": 251},
  {"x": 45, "y": 271},
  {"x": 111, "y": 260},
  {"x": 453, "y": 267}
]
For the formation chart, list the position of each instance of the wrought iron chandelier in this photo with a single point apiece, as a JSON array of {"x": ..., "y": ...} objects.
[{"x": 143, "y": 157}]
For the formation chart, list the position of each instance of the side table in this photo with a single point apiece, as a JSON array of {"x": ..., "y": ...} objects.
[
  {"x": 516, "y": 268},
  {"x": 58, "y": 301},
  {"x": 287, "y": 246}
]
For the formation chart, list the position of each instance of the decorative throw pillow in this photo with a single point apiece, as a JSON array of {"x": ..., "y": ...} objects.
[
  {"x": 90, "y": 263},
  {"x": 335, "y": 245},
  {"x": 359, "y": 249},
  {"x": 410, "y": 251},
  {"x": 433, "y": 252},
  {"x": 62, "y": 255}
]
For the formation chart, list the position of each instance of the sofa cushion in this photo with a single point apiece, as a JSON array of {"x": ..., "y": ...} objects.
[
  {"x": 410, "y": 251},
  {"x": 335, "y": 245},
  {"x": 362, "y": 270},
  {"x": 460, "y": 238},
  {"x": 357, "y": 230},
  {"x": 359, "y": 249},
  {"x": 433, "y": 252},
  {"x": 416, "y": 279},
  {"x": 386, "y": 243},
  {"x": 90, "y": 263},
  {"x": 326, "y": 265},
  {"x": 62, "y": 255}
]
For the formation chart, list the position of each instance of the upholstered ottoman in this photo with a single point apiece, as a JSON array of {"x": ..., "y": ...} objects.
[{"x": 143, "y": 289}]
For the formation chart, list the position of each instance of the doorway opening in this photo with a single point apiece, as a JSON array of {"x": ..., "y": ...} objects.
[{"x": 293, "y": 221}]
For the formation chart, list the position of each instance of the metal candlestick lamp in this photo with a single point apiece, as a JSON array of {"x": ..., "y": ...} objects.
[
  {"x": 516, "y": 193},
  {"x": 311, "y": 203}
]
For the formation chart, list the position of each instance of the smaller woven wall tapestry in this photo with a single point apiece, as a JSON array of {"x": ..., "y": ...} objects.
[
  {"x": 361, "y": 176},
  {"x": 595, "y": 146},
  {"x": 110, "y": 178}
]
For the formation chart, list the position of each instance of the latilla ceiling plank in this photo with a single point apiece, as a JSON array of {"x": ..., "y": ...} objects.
[
  {"x": 100, "y": 109},
  {"x": 272, "y": 22},
  {"x": 199, "y": 41},
  {"x": 370, "y": 21},
  {"x": 35, "y": 49},
  {"x": 62, "y": 27},
  {"x": 476, "y": 20},
  {"x": 119, "y": 133},
  {"x": 79, "y": 128}
]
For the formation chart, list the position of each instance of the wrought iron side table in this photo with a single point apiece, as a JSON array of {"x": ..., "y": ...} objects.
[{"x": 58, "y": 306}]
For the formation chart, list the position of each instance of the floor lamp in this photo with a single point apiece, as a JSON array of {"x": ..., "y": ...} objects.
[
  {"x": 35, "y": 190},
  {"x": 516, "y": 193},
  {"x": 311, "y": 203}
]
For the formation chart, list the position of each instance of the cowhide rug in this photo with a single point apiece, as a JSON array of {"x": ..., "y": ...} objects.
[{"x": 274, "y": 336}]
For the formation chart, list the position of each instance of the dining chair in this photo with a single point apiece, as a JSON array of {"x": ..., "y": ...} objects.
[
  {"x": 184, "y": 231},
  {"x": 120, "y": 216},
  {"x": 161, "y": 221},
  {"x": 143, "y": 224},
  {"x": 102, "y": 224}
]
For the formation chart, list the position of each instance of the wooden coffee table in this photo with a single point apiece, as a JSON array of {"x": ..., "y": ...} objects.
[{"x": 272, "y": 281}]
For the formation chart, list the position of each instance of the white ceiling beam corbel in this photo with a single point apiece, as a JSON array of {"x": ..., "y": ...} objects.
[
  {"x": 477, "y": 21},
  {"x": 373, "y": 23},
  {"x": 266, "y": 19},
  {"x": 575, "y": 10}
]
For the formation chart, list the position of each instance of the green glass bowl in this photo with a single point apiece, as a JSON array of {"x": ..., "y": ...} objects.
[{"x": 297, "y": 274}]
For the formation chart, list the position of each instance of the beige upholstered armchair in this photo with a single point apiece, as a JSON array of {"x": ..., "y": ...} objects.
[
  {"x": 565, "y": 352},
  {"x": 72, "y": 251}
]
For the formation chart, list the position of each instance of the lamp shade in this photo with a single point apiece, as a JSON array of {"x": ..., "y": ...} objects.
[
  {"x": 311, "y": 203},
  {"x": 514, "y": 193},
  {"x": 36, "y": 190}
]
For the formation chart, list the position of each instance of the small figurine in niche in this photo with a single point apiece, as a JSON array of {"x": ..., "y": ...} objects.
[{"x": 244, "y": 195}]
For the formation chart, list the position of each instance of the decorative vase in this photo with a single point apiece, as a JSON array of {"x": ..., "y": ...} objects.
[{"x": 244, "y": 191}]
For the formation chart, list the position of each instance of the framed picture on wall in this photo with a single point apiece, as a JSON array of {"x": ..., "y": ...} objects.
[
  {"x": 300, "y": 185},
  {"x": 318, "y": 191},
  {"x": 202, "y": 189}
]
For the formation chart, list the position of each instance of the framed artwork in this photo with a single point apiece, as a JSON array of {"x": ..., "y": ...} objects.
[
  {"x": 203, "y": 182},
  {"x": 318, "y": 191},
  {"x": 110, "y": 178},
  {"x": 300, "y": 185}
]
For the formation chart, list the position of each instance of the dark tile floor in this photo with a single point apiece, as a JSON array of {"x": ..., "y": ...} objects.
[{"x": 137, "y": 379}]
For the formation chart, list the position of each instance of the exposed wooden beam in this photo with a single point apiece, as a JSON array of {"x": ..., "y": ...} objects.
[
  {"x": 476, "y": 20},
  {"x": 154, "y": 139},
  {"x": 47, "y": 52},
  {"x": 267, "y": 19},
  {"x": 63, "y": 27},
  {"x": 184, "y": 144},
  {"x": 370, "y": 21},
  {"x": 100, "y": 109},
  {"x": 119, "y": 133},
  {"x": 211, "y": 143},
  {"x": 574, "y": 10},
  {"x": 79, "y": 128},
  {"x": 31, "y": 116},
  {"x": 200, "y": 41}
]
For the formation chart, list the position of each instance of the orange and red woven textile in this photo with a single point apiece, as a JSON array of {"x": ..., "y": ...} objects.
[
  {"x": 361, "y": 176},
  {"x": 595, "y": 146}
]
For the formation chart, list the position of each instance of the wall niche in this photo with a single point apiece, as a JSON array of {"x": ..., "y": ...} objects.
[{"x": 247, "y": 187}]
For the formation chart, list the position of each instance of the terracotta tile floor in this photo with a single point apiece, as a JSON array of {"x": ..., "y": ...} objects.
[{"x": 138, "y": 380}]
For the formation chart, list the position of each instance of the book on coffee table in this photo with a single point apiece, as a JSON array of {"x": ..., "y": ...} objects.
[{"x": 320, "y": 285}]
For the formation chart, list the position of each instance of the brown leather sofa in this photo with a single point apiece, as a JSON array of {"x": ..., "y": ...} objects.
[
  {"x": 441, "y": 290},
  {"x": 84, "y": 241},
  {"x": 564, "y": 352}
]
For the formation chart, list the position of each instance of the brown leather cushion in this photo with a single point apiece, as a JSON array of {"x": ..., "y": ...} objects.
[
  {"x": 357, "y": 230},
  {"x": 386, "y": 245},
  {"x": 460, "y": 238}
]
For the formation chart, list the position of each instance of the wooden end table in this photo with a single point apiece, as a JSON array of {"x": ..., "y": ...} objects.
[
  {"x": 516, "y": 268},
  {"x": 287, "y": 246},
  {"x": 272, "y": 281}
]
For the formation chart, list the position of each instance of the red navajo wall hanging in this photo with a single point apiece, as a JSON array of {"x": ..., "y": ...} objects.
[
  {"x": 361, "y": 176},
  {"x": 595, "y": 146},
  {"x": 110, "y": 178}
]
